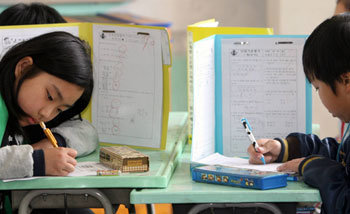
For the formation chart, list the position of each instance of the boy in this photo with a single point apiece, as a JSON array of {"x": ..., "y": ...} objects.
[{"x": 324, "y": 164}]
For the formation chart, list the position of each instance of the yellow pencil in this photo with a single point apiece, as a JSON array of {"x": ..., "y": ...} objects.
[{"x": 49, "y": 134}]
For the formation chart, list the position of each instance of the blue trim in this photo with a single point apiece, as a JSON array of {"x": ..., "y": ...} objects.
[
  {"x": 4, "y": 118},
  {"x": 218, "y": 95},
  {"x": 308, "y": 110},
  {"x": 342, "y": 142},
  {"x": 80, "y": 9},
  {"x": 84, "y": 9},
  {"x": 219, "y": 37}
]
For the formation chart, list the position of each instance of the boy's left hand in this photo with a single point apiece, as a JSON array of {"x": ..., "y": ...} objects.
[{"x": 290, "y": 166}]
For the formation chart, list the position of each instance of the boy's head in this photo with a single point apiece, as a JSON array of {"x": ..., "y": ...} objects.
[
  {"x": 342, "y": 6},
  {"x": 326, "y": 54},
  {"x": 26, "y": 14}
]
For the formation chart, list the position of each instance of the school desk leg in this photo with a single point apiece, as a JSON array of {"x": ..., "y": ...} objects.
[
  {"x": 268, "y": 206},
  {"x": 24, "y": 205},
  {"x": 150, "y": 209}
]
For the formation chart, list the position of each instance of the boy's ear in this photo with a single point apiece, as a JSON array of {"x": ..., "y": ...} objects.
[{"x": 22, "y": 65}]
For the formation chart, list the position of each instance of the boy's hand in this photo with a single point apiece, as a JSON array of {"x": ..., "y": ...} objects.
[
  {"x": 270, "y": 148},
  {"x": 290, "y": 166},
  {"x": 59, "y": 161},
  {"x": 44, "y": 143}
]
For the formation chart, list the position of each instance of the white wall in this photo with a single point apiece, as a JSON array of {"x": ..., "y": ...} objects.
[
  {"x": 185, "y": 12},
  {"x": 301, "y": 17},
  {"x": 297, "y": 16},
  {"x": 285, "y": 16},
  {"x": 247, "y": 13}
]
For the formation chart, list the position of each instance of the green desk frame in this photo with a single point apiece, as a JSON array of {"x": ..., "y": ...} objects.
[
  {"x": 100, "y": 191},
  {"x": 182, "y": 189}
]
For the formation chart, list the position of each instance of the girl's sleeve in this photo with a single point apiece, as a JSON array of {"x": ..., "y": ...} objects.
[
  {"x": 78, "y": 134},
  {"x": 16, "y": 161},
  {"x": 297, "y": 145}
]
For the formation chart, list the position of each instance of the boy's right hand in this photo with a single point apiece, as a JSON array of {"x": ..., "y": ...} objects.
[
  {"x": 59, "y": 161},
  {"x": 269, "y": 147}
]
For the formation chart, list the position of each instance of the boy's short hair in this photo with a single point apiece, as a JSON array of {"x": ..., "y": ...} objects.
[
  {"x": 326, "y": 54},
  {"x": 346, "y": 4},
  {"x": 26, "y": 14}
]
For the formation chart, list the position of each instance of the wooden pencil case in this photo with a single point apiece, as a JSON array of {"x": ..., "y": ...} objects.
[{"x": 124, "y": 158}]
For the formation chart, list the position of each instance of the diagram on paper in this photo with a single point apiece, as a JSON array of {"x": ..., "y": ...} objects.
[{"x": 128, "y": 71}]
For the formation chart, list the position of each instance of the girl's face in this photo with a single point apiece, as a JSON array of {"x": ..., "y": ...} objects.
[
  {"x": 338, "y": 105},
  {"x": 44, "y": 96}
]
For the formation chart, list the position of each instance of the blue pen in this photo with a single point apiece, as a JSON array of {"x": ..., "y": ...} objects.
[{"x": 248, "y": 129}]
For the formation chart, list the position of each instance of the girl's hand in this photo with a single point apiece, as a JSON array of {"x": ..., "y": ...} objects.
[
  {"x": 290, "y": 166},
  {"x": 44, "y": 143},
  {"x": 267, "y": 147},
  {"x": 59, "y": 161}
]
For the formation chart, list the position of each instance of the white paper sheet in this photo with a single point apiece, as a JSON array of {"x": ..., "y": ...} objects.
[
  {"x": 203, "y": 138},
  {"x": 263, "y": 81},
  {"x": 128, "y": 94},
  {"x": 218, "y": 159},
  {"x": 10, "y": 37},
  {"x": 87, "y": 168}
]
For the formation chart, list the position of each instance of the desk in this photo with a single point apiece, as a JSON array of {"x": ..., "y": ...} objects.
[
  {"x": 182, "y": 189},
  {"x": 75, "y": 192}
]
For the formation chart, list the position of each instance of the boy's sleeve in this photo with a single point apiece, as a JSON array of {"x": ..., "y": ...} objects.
[
  {"x": 297, "y": 145},
  {"x": 331, "y": 178},
  {"x": 78, "y": 134},
  {"x": 16, "y": 161},
  {"x": 319, "y": 169}
]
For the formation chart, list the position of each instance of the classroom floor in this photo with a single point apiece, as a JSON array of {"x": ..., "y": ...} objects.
[{"x": 140, "y": 209}]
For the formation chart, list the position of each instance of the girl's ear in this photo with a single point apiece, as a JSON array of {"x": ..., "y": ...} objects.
[{"x": 22, "y": 65}]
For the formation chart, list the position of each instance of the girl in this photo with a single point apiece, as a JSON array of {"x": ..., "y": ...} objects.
[
  {"x": 39, "y": 79},
  {"x": 78, "y": 133}
]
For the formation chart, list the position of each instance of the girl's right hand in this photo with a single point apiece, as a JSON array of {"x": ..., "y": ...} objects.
[
  {"x": 269, "y": 147},
  {"x": 44, "y": 143},
  {"x": 59, "y": 161}
]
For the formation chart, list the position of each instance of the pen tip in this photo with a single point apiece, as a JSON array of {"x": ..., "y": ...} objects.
[{"x": 42, "y": 124}]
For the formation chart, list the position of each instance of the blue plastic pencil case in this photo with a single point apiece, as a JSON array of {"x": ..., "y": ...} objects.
[{"x": 247, "y": 178}]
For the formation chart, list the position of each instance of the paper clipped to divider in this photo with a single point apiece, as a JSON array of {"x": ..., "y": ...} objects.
[
  {"x": 259, "y": 77},
  {"x": 130, "y": 103},
  {"x": 203, "y": 30}
]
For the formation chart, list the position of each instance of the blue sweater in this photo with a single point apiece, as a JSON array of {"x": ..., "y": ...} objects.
[{"x": 320, "y": 168}]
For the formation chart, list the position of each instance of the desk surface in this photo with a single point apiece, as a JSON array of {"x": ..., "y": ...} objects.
[
  {"x": 162, "y": 165},
  {"x": 182, "y": 189}
]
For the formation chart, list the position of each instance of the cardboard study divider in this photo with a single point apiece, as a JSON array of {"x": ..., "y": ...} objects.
[
  {"x": 258, "y": 77},
  {"x": 201, "y": 30},
  {"x": 130, "y": 102}
]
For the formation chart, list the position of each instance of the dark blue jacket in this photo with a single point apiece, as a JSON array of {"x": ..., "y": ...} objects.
[{"x": 320, "y": 168}]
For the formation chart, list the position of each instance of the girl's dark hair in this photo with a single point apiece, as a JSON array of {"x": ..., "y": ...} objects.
[
  {"x": 60, "y": 54},
  {"x": 26, "y": 14},
  {"x": 326, "y": 54}
]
